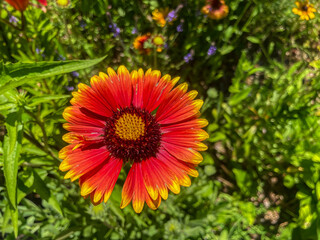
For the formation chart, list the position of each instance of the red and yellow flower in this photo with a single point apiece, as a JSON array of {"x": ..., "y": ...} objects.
[
  {"x": 215, "y": 9},
  {"x": 140, "y": 119},
  {"x": 140, "y": 43},
  {"x": 21, "y": 5},
  {"x": 305, "y": 10}
]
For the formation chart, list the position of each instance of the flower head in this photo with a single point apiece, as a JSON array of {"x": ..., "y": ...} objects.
[
  {"x": 215, "y": 9},
  {"x": 139, "y": 43},
  {"x": 305, "y": 10},
  {"x": 38, "y": 50},
  {"x": 134, "y": 30},
  {"x": 189, "y": 57},
  {"x": 139, "y": 119},
  {"x": 172, "y": 15},
  {"x": 212, "y": 50},
  {"x": 180, "y": 28},
  {"x": 13, "y": 19},
  {"x": 159, "y": 42},
  {"x": 21, "y": 5},
  {"x": 63, "y": 3},
  {"x": 115, "y": 29},
  {"x": 160, "y": 15},
  {"x": 75, "y": 74}
]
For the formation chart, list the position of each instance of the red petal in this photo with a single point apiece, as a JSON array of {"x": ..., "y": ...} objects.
[
  {"x": 80, "y": 161},
  {"x": 191, "y": 124},
  {"x": 134, "y": 189},
  {"x": 100, "y": 181},
  {"x": 43, "y": 2},
  {"x": 87, "y": 98},
  {"x": 20, "y": 5},
  {"x": 183, "y": 153},
  {"x": 75, "y": 116}
]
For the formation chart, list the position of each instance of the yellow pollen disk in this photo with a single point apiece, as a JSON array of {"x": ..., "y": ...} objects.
[{"x": 130, "y": 127}]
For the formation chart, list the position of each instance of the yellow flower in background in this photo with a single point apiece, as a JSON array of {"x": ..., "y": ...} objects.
[
  {"x": 305, "y": 10},
  {"x": 158, "y": 41},
  {"x": 215, "y": 9},
  {"x": 63, "y": 3},
  {"x": 160, "y": 15}
]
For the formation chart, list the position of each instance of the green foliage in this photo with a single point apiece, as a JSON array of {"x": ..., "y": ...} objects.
[{"x": 260, "y": 176}]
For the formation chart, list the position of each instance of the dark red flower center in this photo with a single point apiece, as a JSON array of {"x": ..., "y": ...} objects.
[
  {"x": 132, "y": 134},
  {"x": 305, "y": 8},
  {"x": 214, "y": 4}
]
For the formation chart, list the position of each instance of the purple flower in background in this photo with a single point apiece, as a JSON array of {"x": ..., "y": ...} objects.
[
  {"x": 172, "y": 15},
  {"x": 75, "y": 74},
  {"x": 13, "y": 19},
  {"x": 212, "y": 50},
  {"x": 83, "y": 24},
  {"x": 70, "y": 88},
  {"x": 61, "y": 58},
  {"x": 38, "y": 50},
  {"x": 180, "y": 28},
  {"x": 187, "y": 58},
  {"x": 115, "y": 29},
  {"x": 134, "y": 31}
]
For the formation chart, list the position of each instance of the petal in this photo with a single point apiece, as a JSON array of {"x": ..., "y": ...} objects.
[
  {"x": 80, "y": 162},
  {"x": 180, "y": 114},
  {"x": 87, "y": 98},
  {"x": 101, "y": 180},
  {"x": 185, "y": 167},
  {"x": 182, "y": 153},
  {"x": 191, "y": 124},
  {"x": 43, "y": 2},
  {"x": 75, "y": 116},
  {"x": 311, "y": 15},
  {"x": 134, "y": 189},
  {"x": 137, "y": 78}
]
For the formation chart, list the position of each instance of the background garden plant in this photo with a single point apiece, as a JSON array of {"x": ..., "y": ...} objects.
[{"x": 256, "y": 69}]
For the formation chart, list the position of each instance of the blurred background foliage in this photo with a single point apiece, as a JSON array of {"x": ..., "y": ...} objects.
[{"x": 257, "y": 72}]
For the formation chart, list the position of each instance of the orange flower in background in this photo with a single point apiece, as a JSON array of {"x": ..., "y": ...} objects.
[
  {"x": 139, "y": 43},
  {"x": 160, "y": 15},
  {"x": 21, "y": 5},
  {"x": 305, "y": 10},
  {"x": 139, "y": 119},
  {"x": 215, "y": 9}
]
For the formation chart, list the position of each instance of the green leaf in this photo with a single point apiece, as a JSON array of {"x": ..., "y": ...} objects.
[
  {"x": 14, "y": 220},
  {"x": 226, "y": 49},
  {"x": 5, "y": 219},
  {"x": 45, "y": 193},
  {"x": 11, "y": 152},
  {"x": 253, "y": 39},
  {"x": 315, "y": 64},
  {"x": 36, "y": 100},
  {"x": 15, "y": 74},
  {"x": 238, "y": 97}
]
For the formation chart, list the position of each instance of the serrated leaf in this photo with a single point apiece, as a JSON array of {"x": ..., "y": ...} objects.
[{"x": 15, "y": 74}]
